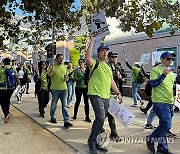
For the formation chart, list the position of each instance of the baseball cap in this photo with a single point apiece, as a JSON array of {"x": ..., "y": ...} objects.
[
  {"x": 102, "y": 46},
  {"x": 112, "y": 54},
  {"x": 167, "y": 53}
]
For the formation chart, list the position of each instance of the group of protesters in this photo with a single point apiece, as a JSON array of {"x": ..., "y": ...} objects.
[{"x": 105, "y": 80}]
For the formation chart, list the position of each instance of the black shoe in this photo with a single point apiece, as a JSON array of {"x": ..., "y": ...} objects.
[
  {"x": 164, "y": 151},
  {"x": 88, "y": 120},
  {"x": 42, "y": 115},
  {"x": 169, "y": 134},
  {"x": 147, "y": 126},
  {"x": 150, "y": 144},
  {"x": 102, "y": 149},
  {"x": 27, "y": 92},
  {"x": 68, "y": 124},
  {"x": 53, "y": 121},
  {"x": 92, "y": 148},
  {"x": 115, "y": 137},
  {"x": 176, "y": 109},
  {"x": 143, "y": 110},
  {"x": 74, "y": 117}
]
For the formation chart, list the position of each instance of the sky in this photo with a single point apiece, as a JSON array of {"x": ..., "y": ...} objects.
[{"x": 19, "y": 12}]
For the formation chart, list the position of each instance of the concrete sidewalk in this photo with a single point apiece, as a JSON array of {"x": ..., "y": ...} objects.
[{"x": 77, "y": 135}]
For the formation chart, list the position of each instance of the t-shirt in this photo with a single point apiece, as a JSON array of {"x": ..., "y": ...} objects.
[
  {"x": 44, "y": 83},
  {"x": 21, "y": 74},
  {"x": 3, "y": 75},
  {"x": 164, "y": 92},
  {"x": 135, "y": 72},
  {"x": 100, "y": 81},
  {"x": 57, "y": 77}
]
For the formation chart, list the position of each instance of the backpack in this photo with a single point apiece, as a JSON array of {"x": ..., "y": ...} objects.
[
  {"x": 87, "y": 74},
  {"x": 148, "y": 89},
  {"x": 140, "y": 77},
  {"x": 10, "y": 78}
]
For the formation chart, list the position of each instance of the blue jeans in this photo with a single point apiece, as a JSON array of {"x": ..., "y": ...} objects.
[
  {"x": 135, "y": 87},
  {"x": 100, "y": 107},
  {"x": 151, "y": 117},
  {"x": 71, "y": 88},
  {"x": 165, "y": 113},
  {"x": 62, "y": 95}
]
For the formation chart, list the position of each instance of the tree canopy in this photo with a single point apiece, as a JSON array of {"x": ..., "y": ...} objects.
[{"x": 41, "y": 15}]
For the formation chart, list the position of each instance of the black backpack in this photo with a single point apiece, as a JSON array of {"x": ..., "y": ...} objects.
[
  {"x": 140, "y": 77},
  {"x": 87, "y": 74},
  {"x": 148, "y": 89}
]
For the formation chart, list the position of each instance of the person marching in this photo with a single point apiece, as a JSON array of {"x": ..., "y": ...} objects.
[{"x": 99, "y": 86}]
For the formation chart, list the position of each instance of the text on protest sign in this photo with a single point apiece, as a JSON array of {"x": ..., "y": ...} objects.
[
  {"x": 145, "y": 58},
  {"x": 99, "y": 25},
  {"x": 121, "y": 114},
  {"x": 177, "y": 99}
]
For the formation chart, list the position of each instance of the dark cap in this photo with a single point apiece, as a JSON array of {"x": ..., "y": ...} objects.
[
  {"x": 112, "y": 54},
  {"x": 102, "y": 46},
  {"x": 167, "y": 53}
]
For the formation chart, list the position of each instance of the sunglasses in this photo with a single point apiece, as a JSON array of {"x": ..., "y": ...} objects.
[
  {"x": 168, "y": 59},
  {"x": 80, "y": 62},
  {"x": 113, "y": 56}
]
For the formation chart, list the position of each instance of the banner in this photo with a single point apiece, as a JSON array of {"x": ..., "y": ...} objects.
[
  {"x": 121, "y": 114},
  {"x": 177, "y": 99},
  {"x": 145, "y": 58},
  {"x": 84, "y": 26},
  {"x": 99, "y": 24}
]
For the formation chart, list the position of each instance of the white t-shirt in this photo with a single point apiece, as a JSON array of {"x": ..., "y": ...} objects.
[{"x": 21, "y": 74}]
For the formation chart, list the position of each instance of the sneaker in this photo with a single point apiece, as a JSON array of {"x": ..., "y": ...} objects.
[
  {"x": 69, "y": 106},
  {"x": 92, "y": 148},
  {"x": 27, "y": 92},
  {"x": 42, "y": 115},
  {"x": 19, "y": 102},
  {"x": 74, "y": 117},
  {"x": 176, "y": 109},
  {"x": 88, "y": 120},
  {"x": 147, "y": 126},
  {"x": 115, "y": 137},
  {"x": 164, "y": 151},
  {"x": 102, "y": 149},
  {"x": 143, "y": 110},
  {"x": 7, "y": 117},
  {"x": 169, "y": 134},
  {"x": 53, "y": 121},
  {"x": 134, "y": 105},
  {"x": 68, "y": 124},
  {"x": 150, "y": 145}
]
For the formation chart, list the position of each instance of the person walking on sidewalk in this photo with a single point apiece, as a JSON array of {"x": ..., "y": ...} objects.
[
  {"x": 99, "y": 86},
  {"x": 6, "y": 91},
  {"x": 43, "y": 92},
  {"x": 112, "y": 57},
  {"x": 58, "y": 74},
  {"x": 162, "y": 80},
  {"x": 81, "y": 89},
  {"x": 70, "y": 84},
  {"x": 136, "y": 85}
]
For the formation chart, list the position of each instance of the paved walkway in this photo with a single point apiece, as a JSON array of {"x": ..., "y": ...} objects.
[{"x": 77, "y": 135}]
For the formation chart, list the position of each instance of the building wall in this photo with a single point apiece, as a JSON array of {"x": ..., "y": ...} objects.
[{"x": 137, "y": 46}]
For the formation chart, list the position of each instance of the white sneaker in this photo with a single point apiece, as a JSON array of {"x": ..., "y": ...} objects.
[
  {"x": 134, "y": 105},
  {"x": 69, "y": 106},
  {"x": 19, "y": 102}
]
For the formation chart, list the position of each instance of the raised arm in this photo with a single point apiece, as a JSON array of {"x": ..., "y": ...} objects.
[{"x": 88, "y": 55}]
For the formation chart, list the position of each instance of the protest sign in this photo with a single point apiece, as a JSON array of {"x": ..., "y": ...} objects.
[
  {"x": 121, "y": 114},
  {"x": 156, "y": 57},
  {"x": 145, "y": 58},
  {"x": 177, "y": 99},
  {"x": 99, "y": 25}
]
